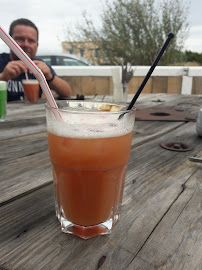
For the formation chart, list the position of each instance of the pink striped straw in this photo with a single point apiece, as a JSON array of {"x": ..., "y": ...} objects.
[{"x": 36, "y": 71}]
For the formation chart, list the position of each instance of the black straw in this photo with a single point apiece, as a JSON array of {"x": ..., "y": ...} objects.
[{"x": 170, "y": 36}]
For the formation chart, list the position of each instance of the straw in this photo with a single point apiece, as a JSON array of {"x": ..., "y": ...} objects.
[
  {"x": 170, "y": 36},
  {"x": 26, "y": 76},
  {"x": 30, "y": 64}
]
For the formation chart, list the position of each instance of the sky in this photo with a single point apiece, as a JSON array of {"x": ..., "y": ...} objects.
[{"x": 51, "y": 17}]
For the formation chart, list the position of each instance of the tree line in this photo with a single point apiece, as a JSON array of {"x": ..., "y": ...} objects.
[
  {"x": 190, "y": 56},
  {"x": 134, "y": 30}
]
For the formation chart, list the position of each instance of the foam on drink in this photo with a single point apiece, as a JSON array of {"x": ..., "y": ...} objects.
[
  {"x": 30, "y": 81},
  {"x": 77, "y": 123}
]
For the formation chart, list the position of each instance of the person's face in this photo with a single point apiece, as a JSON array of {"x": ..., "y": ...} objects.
[{"x": 26, "y": 37}]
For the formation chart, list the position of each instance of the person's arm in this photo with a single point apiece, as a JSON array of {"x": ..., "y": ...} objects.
[{"x": 60, "y": 86}]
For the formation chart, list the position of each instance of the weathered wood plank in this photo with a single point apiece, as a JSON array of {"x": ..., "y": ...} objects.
[
  {"x": 23, "y": 175},
  {"x": 176, "y": 242},
  {"x": 20, "y": 128},
  {"x": 21, "y": 110},
  {"x": 14, "y": 148},
  {"x": 16, "y": 215},
  {"x": 150, "y": 130},
  {"x": 188, "y": 103}
]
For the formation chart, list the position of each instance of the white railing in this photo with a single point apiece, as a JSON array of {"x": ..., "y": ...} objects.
[{"x": 115, "y": 72}]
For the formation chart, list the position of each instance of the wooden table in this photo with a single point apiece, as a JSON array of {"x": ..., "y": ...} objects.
[{"x": 161, "y": 218}]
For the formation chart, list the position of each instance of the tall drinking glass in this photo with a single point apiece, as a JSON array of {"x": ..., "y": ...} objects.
[
  {"x": 89, "y": 150},
  {"x": 31, "y": 90},
  {"x": 3, "y": 100}
]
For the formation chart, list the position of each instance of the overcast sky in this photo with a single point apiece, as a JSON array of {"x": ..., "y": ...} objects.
[{"x": 52, "y": 16}]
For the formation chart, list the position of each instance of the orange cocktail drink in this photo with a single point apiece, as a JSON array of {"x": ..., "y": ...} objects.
[
  {"x": 31, "y": 90},
  {"x": 89, "y": 152}
]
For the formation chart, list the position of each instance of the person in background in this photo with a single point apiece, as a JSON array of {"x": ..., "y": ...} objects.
[{"x": 13, "y": 70}]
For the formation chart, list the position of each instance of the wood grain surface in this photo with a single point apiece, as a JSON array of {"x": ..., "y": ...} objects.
[{"x": 161, "y": 218}]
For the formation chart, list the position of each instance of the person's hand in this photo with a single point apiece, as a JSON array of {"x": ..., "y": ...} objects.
[
  {"x": 12, "y": 70},
  {"x": 44, "y": 68}
]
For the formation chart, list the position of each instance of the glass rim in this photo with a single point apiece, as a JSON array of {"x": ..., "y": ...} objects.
[
  {"x": 71, "y": 110},
  {"x": 34, "y": 81}
]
